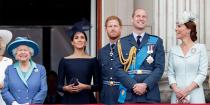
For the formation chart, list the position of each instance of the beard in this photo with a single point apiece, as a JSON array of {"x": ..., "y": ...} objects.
[{"x": 115, "y": 36}]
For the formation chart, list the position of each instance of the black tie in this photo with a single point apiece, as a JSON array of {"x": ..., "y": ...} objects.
[
  {"x": 138, "y": 40},
  {"x": 112, "y": 47}
]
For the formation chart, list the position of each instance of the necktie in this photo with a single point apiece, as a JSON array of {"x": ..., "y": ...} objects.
[
  {"x": 112, "y": 50},
  {"x": 138, "y": 40},
  {"x": 112, "y": 47}
]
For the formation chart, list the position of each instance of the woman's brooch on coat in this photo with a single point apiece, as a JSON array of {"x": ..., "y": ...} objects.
[
  {"x": 193, "y": 50},
  {"x": 36, "y": 70},
  {"x": 150, "y": 50}
]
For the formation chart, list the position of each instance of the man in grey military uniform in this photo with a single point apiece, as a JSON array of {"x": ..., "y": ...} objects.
[{"x": 110, "y": 85}]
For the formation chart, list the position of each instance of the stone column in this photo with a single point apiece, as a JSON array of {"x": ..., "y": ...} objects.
[
  {"x": 121, "y": 8},
  {"x": 166, "y": 13}
]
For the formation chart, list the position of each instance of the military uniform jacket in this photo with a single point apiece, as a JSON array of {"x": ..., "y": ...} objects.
[
  {"x": 157, "y": 68},
  {"x": 108, "y": 94}
]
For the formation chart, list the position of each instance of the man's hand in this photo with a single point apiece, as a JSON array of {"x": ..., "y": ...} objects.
[{"x": 140, "y": 88}]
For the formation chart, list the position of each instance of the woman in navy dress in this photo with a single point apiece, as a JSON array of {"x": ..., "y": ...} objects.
[{"x": 75, "y": 73}]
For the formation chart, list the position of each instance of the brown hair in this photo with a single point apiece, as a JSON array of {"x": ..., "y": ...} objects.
[
  {"x": 113, "y": 18},
  {"x": 134, "y": 11},
  {"x": 72, "y": 36},
  {"x": 193, "y": 33}
]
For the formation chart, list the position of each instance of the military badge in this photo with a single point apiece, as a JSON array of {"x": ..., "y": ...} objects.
[
  {"x": 150, "y": 50},
  {"x": 111, "y": 53},
  {"x": 150, "y": 59}
]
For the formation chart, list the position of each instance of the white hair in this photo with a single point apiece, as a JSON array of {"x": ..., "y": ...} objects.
[{"x": 14, "y": 51}]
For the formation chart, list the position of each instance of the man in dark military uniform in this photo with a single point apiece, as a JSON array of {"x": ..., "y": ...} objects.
[
  {"x": 140, "y": 61},
  {"x": 110, "y": 88}
]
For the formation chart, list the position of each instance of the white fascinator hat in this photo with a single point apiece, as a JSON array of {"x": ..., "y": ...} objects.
[{"x": 186, "y": 16}]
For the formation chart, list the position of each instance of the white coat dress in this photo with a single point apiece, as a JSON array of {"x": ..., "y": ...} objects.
[
  {"x": 3, "y": 65},
  {"x": 183, "y": 70}
]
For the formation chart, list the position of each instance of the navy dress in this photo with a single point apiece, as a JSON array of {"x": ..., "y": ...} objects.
[{"x": 83, "y": 69}]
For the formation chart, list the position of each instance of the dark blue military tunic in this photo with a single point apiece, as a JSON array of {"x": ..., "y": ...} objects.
[
  {"x": 110, "y": 88},
  {"x": 156, "y": 68}
]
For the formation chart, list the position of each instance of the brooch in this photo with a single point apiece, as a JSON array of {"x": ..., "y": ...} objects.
[
  {"x": 36, "y": 70},
  {"x": 193, "y": 50}
]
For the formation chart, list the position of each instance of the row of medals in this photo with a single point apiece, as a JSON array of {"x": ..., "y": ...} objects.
[{"x": 150, "y": 49}]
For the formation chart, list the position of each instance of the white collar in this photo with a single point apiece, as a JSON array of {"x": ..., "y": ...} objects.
[
  {"x": 112, "y": 43},
  {"x": 135, "y": 35}
]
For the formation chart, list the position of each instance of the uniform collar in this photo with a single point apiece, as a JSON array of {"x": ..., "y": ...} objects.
[
  {"x": 112, "y": 43},
  {"x": 135, "y": 35}
]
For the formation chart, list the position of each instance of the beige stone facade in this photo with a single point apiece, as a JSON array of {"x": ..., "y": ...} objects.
[{"x": 162, "y": 22}]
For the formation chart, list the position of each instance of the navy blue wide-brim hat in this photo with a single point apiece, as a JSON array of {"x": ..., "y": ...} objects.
[
  {"x": 23, "y": 41},
  {"x": 80, "y": 26}
]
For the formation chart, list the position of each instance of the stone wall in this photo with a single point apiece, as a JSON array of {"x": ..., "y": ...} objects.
[{"x": 163, "y": 15}]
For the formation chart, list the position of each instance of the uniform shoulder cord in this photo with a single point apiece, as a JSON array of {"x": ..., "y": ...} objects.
[{"x": 131, "y": 57}]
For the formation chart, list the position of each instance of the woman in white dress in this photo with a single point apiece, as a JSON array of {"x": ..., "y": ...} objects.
[
  {"x": 188, "y": 64},
  {"x": 5, "y": 38}
]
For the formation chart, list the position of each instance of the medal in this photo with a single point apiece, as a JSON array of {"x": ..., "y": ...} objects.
[
  {"x": 150, "y": 59},
  {"x": 111, "y": 53},
  {"x": 150, "y": 48}
]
